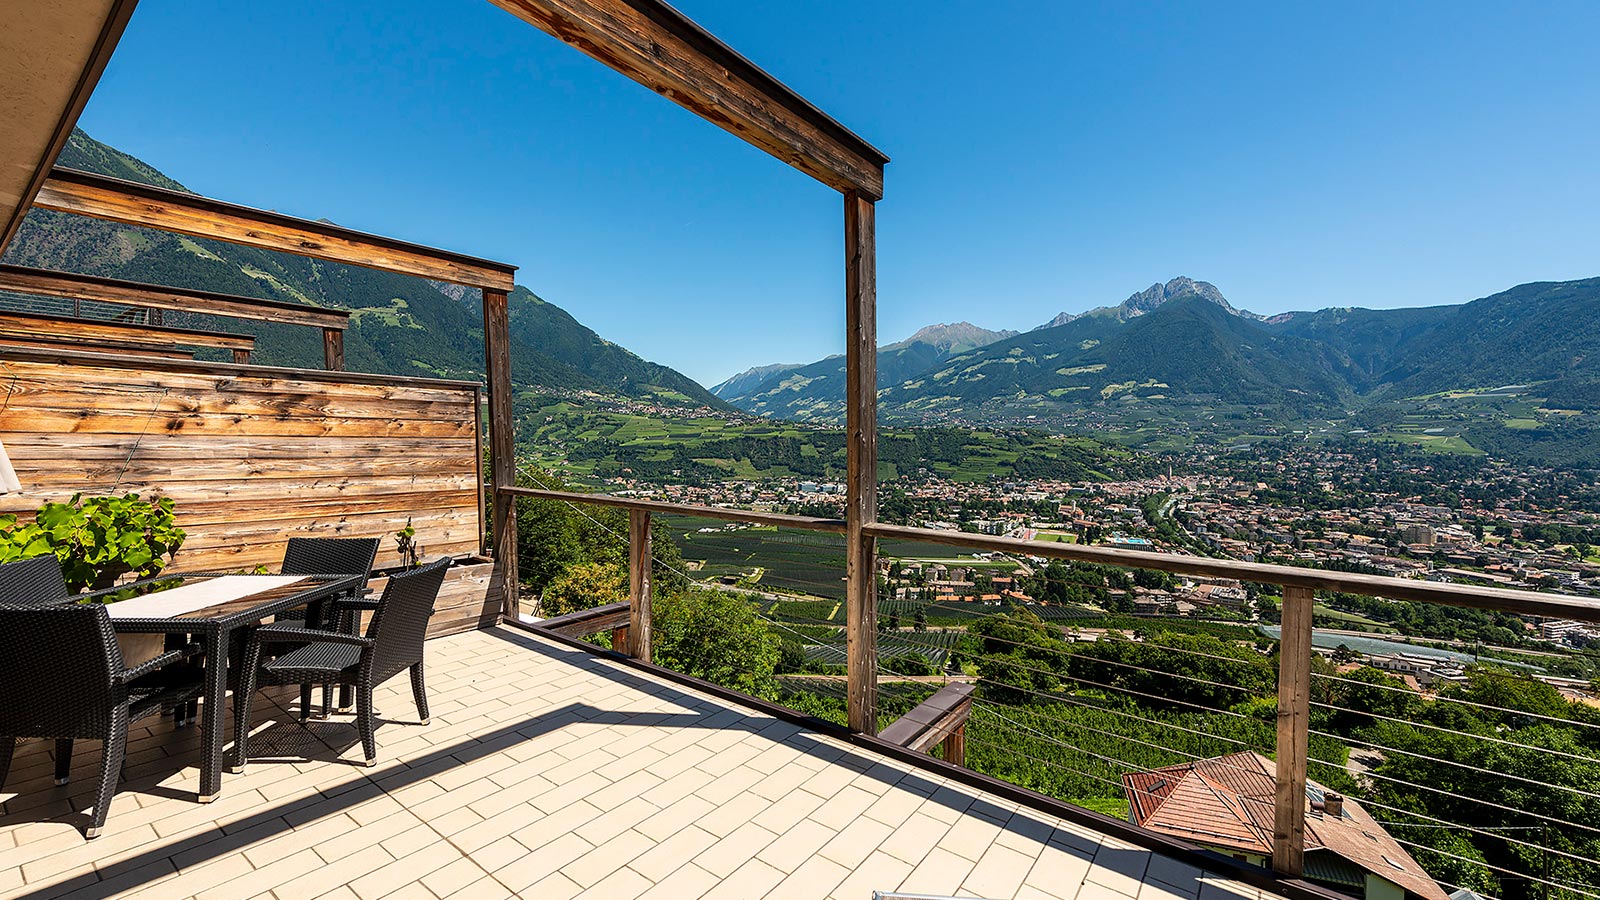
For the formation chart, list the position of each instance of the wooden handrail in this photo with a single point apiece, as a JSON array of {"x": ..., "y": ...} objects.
[
  {"x": 587, "y": 622},
  {"x": 1527, "y": 603},
  {"x": 754, "y": 517}
]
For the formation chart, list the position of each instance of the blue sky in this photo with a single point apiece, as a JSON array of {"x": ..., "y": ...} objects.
[{"x": 1046, "y": 156}]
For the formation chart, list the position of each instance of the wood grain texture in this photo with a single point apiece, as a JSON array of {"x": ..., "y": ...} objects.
[
  {"x": 464, "y": 603},
  {"x": 333, "y": 349},
  {"x": 502, "y": 445},
  {"x": 25, "y": 325},
  {"x": 861, "y": 462},
  {"x": 655, "y": 45},
  {"x": 640, "y": 553},
  {"x": 131, "y": 203},
  {"x": 250, "y": 460},
  {"x": 46, "y": 283},
  {"x": 1294, "y": 738},
  {"x": 118, "y": 348}
]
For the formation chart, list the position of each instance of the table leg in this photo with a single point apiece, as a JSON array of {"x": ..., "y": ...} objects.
[{"x": 214, "y": 715}]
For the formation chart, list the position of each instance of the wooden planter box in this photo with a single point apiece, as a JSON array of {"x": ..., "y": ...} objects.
[{"x": 464, "y": 602}]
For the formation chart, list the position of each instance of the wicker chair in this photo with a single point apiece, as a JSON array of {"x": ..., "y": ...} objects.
[
  {"x": 393, "y": 644},
  {"x": 62, "y": 677},
  {"x": 328, "y": 556},
  {"x": 32, "y": 583}
]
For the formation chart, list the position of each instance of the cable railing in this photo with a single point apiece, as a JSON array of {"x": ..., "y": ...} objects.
[{"x": 1487, "y": 781}]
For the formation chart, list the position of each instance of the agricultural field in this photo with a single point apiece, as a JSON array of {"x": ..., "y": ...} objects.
[
  {"x": 785, "y": 561},
  {"x": 934, "y": 646}
]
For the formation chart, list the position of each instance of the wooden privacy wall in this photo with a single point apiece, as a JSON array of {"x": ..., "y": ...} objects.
[{"x": 252, "y": 456}]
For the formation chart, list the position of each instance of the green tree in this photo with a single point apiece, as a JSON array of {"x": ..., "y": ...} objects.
[
  {"x": 584, "y": 586},
  {"x": 716, "y": 636}
]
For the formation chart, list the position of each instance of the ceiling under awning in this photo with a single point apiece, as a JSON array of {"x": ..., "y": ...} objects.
[{"x": 51, "y": 55}]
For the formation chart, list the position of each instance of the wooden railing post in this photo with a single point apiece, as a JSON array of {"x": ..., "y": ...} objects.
[
  {"x": 955, "y": 746},
  {"x": 333, "y": 349},
  {"x": 1294, "y": 739},
  {"x": 861, "y": 477},
  {"x": 502, "y": 446},
  {"x": 639, "y": 556}
]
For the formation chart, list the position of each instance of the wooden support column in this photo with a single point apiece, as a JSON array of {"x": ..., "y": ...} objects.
[
  {"x": 333, "y": 349},
  {"x": 955, "y": 746},
  {"x": 639, "y": 555},
  {"x": 242, "y": 357},
  {"x": 502, "y": 446},
  {"x": 861, "y": 478},
  {"x": 1294, "y": 739}
]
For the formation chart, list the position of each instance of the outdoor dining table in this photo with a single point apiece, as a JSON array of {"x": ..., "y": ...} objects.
[{"x": 213, "y": 608}]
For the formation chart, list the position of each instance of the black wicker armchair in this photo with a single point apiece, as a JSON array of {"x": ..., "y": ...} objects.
[
  {"x": 62, "y": 677},
  {"x": 32, "y": 583},
  {"x": 328, "y": 556},
  {"x": 393, "y": 644}
]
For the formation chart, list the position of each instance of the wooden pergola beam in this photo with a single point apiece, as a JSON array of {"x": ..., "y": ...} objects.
[
  {"x": 21, "y": 326},
  {"x": 43, "y": 282},
  {"x": 131, "y": 203},
  {"x": 659, "y": 47}
]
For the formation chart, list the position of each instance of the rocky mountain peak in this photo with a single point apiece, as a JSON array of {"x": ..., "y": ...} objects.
[
  {"x": 1152, "y": 297},
  {"x": 956, "y": 336}
]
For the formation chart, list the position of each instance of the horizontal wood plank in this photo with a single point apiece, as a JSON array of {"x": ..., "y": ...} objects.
[
  {"x": 47, "y": 283},
  {"x": 1512, "y": 601},
  {"x": 240, "y": 370},
  {"x": 660, "y": 48},
  {"x": 24, "y": 325},
  {"x": 131, "y": 203},
  {"x": 250, "y": 460}
]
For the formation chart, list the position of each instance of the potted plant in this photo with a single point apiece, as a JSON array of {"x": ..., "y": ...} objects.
[{"x": 99, "y": 540}]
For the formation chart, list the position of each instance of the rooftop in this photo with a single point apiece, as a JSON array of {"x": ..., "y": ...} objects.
[{"x": 550, "y": 772}]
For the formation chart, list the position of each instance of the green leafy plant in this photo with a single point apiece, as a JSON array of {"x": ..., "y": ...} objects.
[
  {"x": 97, "y": 539},
  {"x": 405, "y": 540}
]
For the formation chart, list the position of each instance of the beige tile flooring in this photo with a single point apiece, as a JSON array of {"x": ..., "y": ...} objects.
[{"x": 548, "y": 773}]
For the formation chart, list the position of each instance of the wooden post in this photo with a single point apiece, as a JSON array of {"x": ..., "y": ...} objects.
[
  {"x": 639, "y": 556},
  {"x": 333, "y": 349},
  {"x": 1294, "y": 739},
  {"x": 241, "y": 357},
  {"x": 955, "y": 746},
  {"x": 861, "y": 478},
  {"x": 502, "y": 447}
]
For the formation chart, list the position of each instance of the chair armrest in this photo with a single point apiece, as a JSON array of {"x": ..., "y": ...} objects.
[
  {"x": 294, "y": 634},
  {"x": 361, "y": 603},
  {"x": 160, "y": 662}
]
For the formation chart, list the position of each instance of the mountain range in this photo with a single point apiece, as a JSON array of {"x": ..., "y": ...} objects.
[
  {"x": 1179, "y": 353},
  {"x": 399, "y": 324}
]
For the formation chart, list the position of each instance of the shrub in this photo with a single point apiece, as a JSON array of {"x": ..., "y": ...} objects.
[
  {"x": 716, "y": 636},
  {"x": 97, "y": 539}
]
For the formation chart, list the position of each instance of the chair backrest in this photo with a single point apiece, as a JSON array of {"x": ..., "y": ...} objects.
[
  {"x": 329, "y": 556},
  {"x": 401, "y": 622},
  {"x": 33, "y": 582},
  {"x": 60, "y": 671}
]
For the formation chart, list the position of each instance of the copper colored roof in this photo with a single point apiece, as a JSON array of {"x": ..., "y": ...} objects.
[{"x": 1227, "y": 802}]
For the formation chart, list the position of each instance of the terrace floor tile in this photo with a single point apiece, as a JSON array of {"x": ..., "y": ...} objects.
[{"x": 549, "y": 773}]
